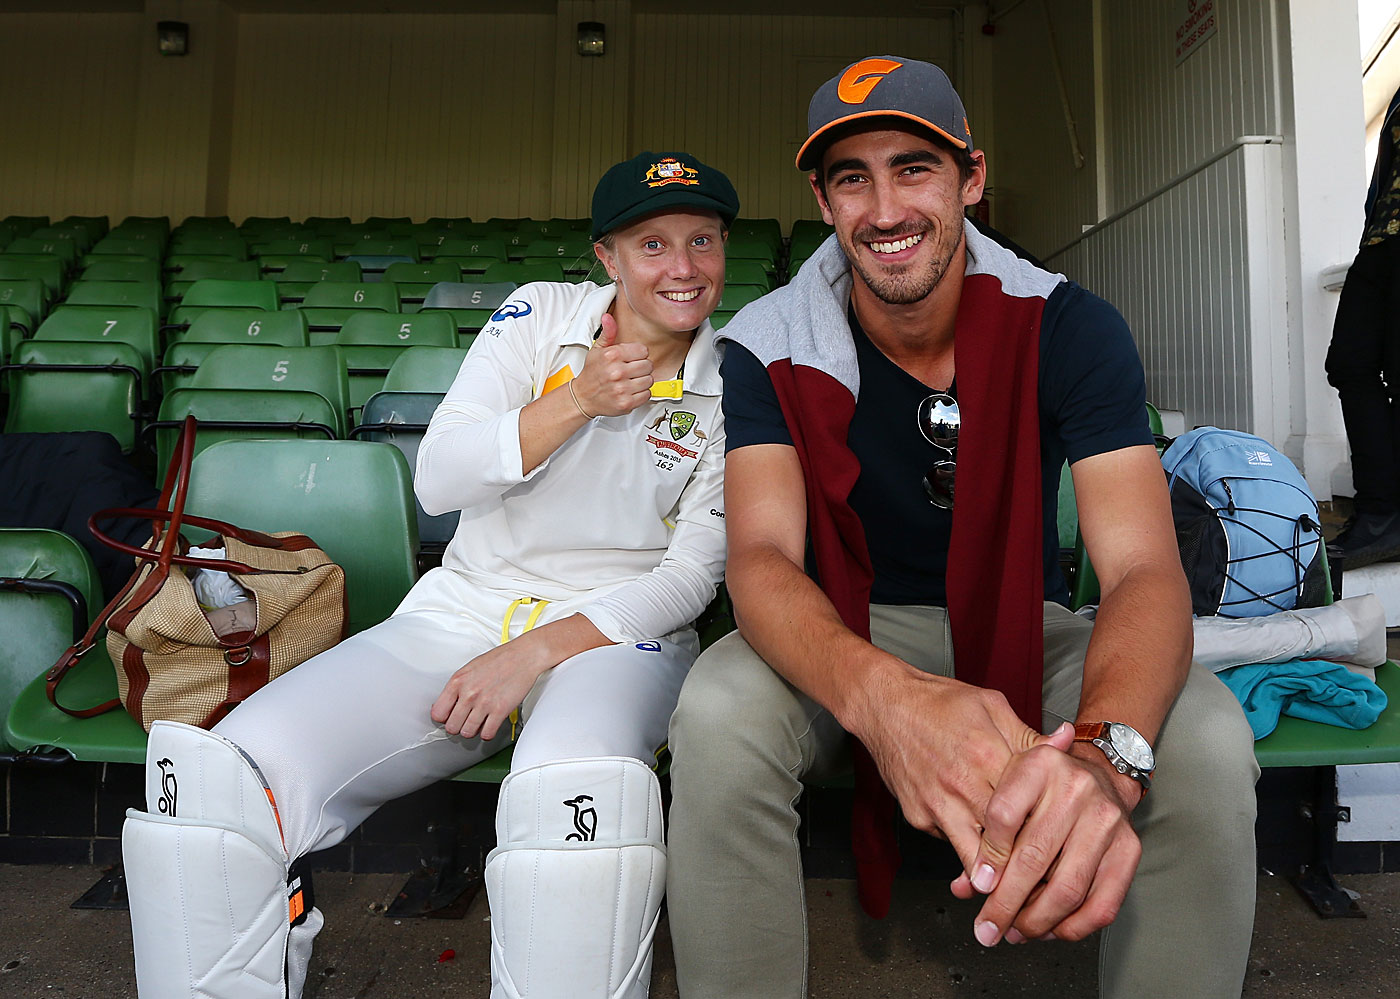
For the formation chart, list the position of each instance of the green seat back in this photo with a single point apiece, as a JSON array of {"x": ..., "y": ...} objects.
[
  {"x": 204, "y": 269},
  {"x": 382, "y": 296},
  {"x": 319, "y": 249},
  {"x": 424, "y": 369},
  {"x": 564, "y": 249},
  {"x": 767, "y": 230},
  {"x": 146, "y": 294},
  {"x": 80, "y": 237},
  {"x": 286, "y": 327},
  {"x": 62, "y": 249},
  {"x": 318, "y": 369},
  {"x": 469, "y": 265},
  {"x": 120, "y": 269},
  {"x": 30, "y": 294},
  {"x": 117, "y": 243},
  {"x": 404, "y": 247},
  {"x": 249, "y": 294},
  {"x": 736, "y": 296},
  {"x": 15, "y": 324},
  {"x": 228, "y": 414},
  {"x": 430, "y": 274},
  {"x": 49, "y": 593},
  {"x": 231, "y": 247},
  {"x": 469, "y": 302},
  {"x": 524, "y": 273},
  {"x": 400, "y": 419},
  {"x": 96, "y": 225},
  {"x": 355, "y": 498},
  {"x": 747, "y": 272},
  {"x": 750, "y": 248},
  {"x": 133, "y": 325},
  {"x": 71, "y": 385},
  {"x": 807, "y": 235},
  {"x": 310, "y": 270},
  {"x": 483, "y": 246},
  {"x": 372, "y": 342},
  {"x": 49, "y": 270}
]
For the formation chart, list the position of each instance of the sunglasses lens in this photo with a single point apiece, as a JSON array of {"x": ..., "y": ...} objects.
[
  {"x": 939, "y": 420},
  {"x": 938, "y": 484}
]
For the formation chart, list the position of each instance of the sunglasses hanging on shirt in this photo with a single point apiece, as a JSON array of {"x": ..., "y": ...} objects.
[{"x": 939, "y": 420}]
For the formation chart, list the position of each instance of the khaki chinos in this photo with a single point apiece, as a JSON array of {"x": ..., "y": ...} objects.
[{"x": 743, "y": 740}]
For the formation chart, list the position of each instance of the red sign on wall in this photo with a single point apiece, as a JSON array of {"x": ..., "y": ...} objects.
[{"x": 1196, "y": 21}]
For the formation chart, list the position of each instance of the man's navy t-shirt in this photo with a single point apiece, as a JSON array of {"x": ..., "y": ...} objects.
[{"x": 1092, "y": 400}]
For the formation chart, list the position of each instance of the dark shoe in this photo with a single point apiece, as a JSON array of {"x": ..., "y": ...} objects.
[{"x": 1369, "y": 537}]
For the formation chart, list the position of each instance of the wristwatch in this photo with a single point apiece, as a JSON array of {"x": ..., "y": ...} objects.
[{"x": 1125, "y": 748}]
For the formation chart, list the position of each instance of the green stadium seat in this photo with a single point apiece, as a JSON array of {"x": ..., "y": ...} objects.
[
  {"x": 768, "y": 230},
  {"x": 425, "y": 369},
  {"x": 231, "y": 247},
  {"x": 114, "y": 242},
  {"x": 470, "y": 303},
  {"x": 329, "y": 303},
  {"x": 15, "y": 325},
  {"x": 260, "y": 222},
  {"x": 373, "y": 266},
  {"x": 23, "y": 225},
  {"x": 566, "y": 248},
  {"x": 205, "y": 269},
  {"x": 807, "y": 235},
  {"x": 232, "y": 413},
  {"x": 129, "y": 324},
  {"x": 144, "y": 294},
  {"x": 49, "y": 593},
  {"x": 247, "y": 294},
  {"x": 49, "y": 270},
  {"x": 319, "y": 369},
  {"x": 473, "y": 246},
  {"x": 213, "y": 327},
  {"x": 416, "y": 280},
  {"x": 64, "y": 249},
  {"x": 372, "y": 341},
  {"x": 120, "y": 269},
  {"x": 747, "y": 272},
  {"x": 523, "y": 273},
  {"x": 451, "y": 223},
  {"x": 401, "y": 419},
  {"x": 320, "y": 249},
  {"x": 401, "y": 247},
  {"x": 301, "y": 273},
  {"x": 751, "y": 248},
  {"x": 157, "y": 224},
  {"x": 390, "y": 223},
  {"x": 96, "y": 225},
  {"x": 353, "y": 497},
  {"x": 30, "y": 294},
  {"x": 736, "y": 296},
  {"x": 60, "y": 385},
  {"x": 78, "y": 235}
]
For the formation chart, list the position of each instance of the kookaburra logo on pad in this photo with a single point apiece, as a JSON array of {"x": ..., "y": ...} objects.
[
  {"x": 585, "y": 819},
  {"x": 168, "y": 786}
]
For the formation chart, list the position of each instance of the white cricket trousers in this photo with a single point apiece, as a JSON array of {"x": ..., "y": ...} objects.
[{"x": 349, "y": 730}]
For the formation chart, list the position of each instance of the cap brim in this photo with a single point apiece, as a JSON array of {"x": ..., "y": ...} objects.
[
  {"x": 811, "y": 149},
  {"x": 660, "y": 205}
]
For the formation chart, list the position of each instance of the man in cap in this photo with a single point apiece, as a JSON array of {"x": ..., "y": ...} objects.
[{"x": 910, "y": 353}]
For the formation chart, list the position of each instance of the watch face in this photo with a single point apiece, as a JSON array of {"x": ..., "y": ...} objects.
[{"x": 1131, "y": 746}]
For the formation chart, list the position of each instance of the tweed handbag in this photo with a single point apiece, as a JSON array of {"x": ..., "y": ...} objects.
[{"x": 170, "y": 662}]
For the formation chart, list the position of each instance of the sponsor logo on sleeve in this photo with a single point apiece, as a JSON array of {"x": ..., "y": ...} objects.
[{"x": 511, "y": 310}]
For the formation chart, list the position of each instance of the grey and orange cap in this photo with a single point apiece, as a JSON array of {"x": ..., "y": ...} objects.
[
  {"x": 889, "y": 87},
  {"x": 653, "y": 182}
]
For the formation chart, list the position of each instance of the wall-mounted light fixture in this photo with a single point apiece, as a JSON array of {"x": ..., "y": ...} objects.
[
  {"x": 592, "y": 40},
  {"x": 173, "y": 38}
]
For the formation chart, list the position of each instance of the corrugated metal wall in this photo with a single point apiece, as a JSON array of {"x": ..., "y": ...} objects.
[
  {"x": 70, "y": 99},
  {"x": 1190, "y": 252},
  {"x": 1190, "y": 271},
  {"x": 733, "y": 89}
]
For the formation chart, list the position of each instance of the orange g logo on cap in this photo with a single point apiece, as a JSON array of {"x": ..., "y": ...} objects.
[{"x": 857, "y": 82}]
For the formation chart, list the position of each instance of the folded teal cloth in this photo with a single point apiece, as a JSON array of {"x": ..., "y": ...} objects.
[{"x": 1311, "y": 689}]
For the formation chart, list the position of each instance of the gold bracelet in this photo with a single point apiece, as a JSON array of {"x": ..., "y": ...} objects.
[{"x": 574, "y": 397}]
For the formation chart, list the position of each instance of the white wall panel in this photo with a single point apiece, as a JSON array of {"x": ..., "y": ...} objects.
[
  {"x": 70, "y": 111},
  {"x": 1197, "y": 273}
]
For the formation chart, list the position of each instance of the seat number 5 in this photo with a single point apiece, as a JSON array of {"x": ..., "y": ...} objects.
[{"x": 279, "y": 373}]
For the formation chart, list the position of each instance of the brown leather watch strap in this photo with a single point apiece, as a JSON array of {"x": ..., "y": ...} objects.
[{"x": 1089, "y": 731}]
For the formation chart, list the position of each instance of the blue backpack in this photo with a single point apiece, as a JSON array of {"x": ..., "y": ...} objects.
[{"x": 1246, "y": 523}]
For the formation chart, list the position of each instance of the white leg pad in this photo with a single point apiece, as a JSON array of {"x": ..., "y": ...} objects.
[
  {"x": 206, "y": 874},
  {"x": 576, "y": 881}
]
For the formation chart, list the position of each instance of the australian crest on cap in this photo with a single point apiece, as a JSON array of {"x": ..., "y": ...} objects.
[{"x": 670, "y": 170}]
